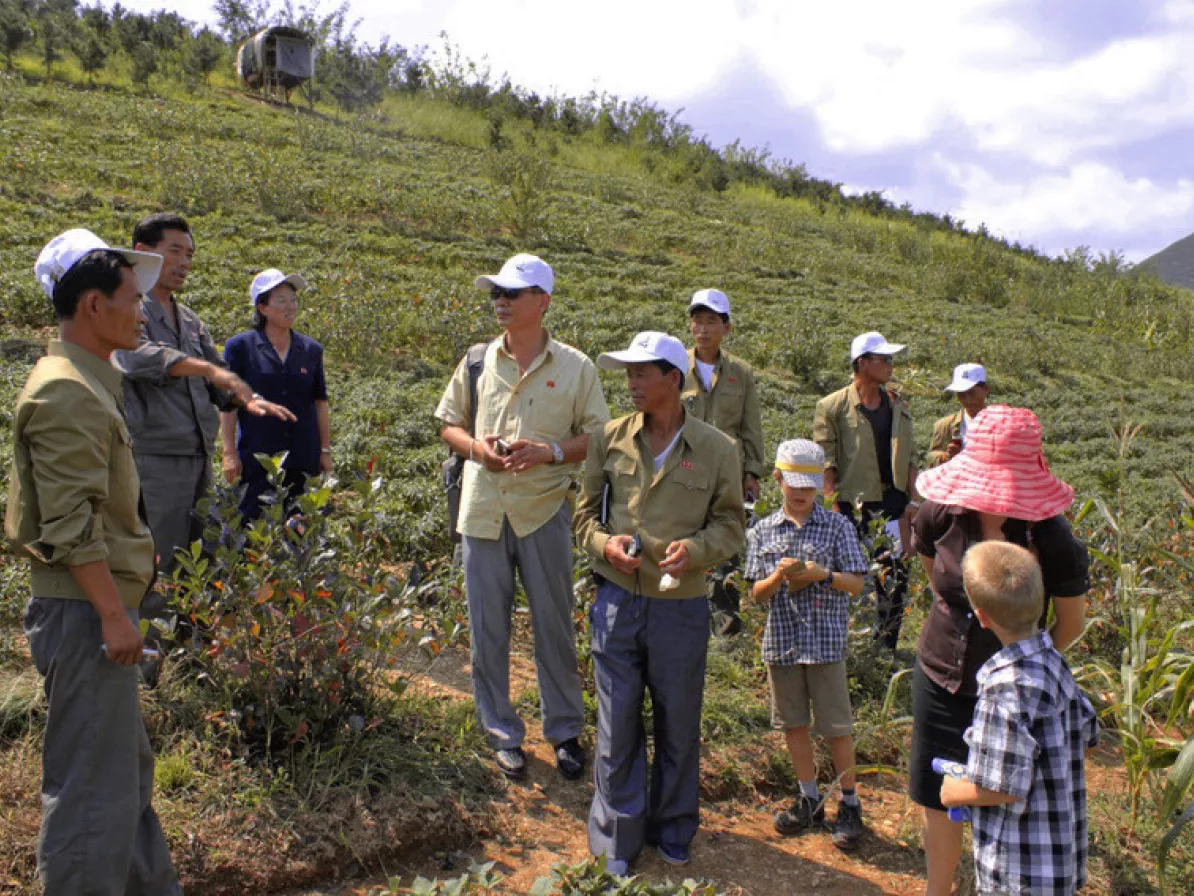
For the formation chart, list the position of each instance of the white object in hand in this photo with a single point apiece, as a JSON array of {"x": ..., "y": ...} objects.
[
  {"x": 667, "y": 582},
  {"x": 147, "y": 652}
]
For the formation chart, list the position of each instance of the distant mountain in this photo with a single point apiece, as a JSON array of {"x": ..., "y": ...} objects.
[{"x": 1174, "y": 264}]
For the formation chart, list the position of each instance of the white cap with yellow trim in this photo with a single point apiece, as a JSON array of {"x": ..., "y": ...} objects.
[{"x": 801, "y": 462}]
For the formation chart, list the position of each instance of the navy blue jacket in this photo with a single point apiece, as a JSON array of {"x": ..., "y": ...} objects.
[{"x": 296, "y": 383}]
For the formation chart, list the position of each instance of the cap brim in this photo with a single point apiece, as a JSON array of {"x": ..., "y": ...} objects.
[
  {"x": 296, "y": 280},
  {"x": 803, "y": 480},
  {"x": 489, "y": 281},
  {"x": 147, "y": 266},
  {"x": 962, "y": 387},
  {"x": 618, "y": 360},
  {"x": 887, "y": 348},
  {"x": 705, "y": 306}
]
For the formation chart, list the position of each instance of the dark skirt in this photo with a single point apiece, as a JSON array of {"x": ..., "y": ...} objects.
[{"x": 939, "y": 719}]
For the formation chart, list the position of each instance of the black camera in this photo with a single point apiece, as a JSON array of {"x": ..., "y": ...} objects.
[{"x": 636, "y": 546}]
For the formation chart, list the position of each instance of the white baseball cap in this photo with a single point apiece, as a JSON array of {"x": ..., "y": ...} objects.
[
  {"x": 645, "y": 347},
  {"x": 520, "y": 272},
  {"x": 270, "y": 278},
  {"x": 713, "y": 299},
  {"x": 801, "y": 462},
  {"x": 64, "y": 251},
  {"x": 872, "y": 343},
  {"x": 966, "y": 377}
]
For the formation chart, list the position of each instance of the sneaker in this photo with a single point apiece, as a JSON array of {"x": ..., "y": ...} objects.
[
  {"x": 804, "y": 814},
  {"x": 570, "y": 759},
  {"x": 511, "y": 762},
  {"x": 847, "y": 829},
  {"x": 674, "y": 853}
]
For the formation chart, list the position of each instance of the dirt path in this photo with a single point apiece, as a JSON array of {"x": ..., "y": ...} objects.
[{"x": 541, "y": 821}]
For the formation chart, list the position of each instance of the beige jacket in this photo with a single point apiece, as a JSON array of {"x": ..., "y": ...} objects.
[
  {"x": 845, "y": 435},
  {"x": 696, "y": 498},
  {"x": 732, "y": 405},
  {"x": 945, "y": 431}
]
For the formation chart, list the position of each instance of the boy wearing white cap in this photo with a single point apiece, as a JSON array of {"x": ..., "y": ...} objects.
[
  {"x": 75, "y": 514},
  {"x": 661, "y": 502},
  {"x": 969, "y": 384},
  {"x": 720, "y": 390},
  {"x": 870, "y": 461},
  {"x": 805, "y": 563},
  {"x": 537, "y": 400}
]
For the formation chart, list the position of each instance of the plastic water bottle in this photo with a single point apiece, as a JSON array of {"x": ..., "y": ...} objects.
[{"x": 952, "y": 769}]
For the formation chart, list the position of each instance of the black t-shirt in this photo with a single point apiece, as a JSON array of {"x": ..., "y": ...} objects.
[
  {"x": 953, "y": 646},
  {"x": 880, "y": 420}
]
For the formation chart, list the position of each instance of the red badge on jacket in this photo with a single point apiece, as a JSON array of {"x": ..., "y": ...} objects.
[
  {"x": 551, "y": 384},
  {"x": 687, "y": 464}
]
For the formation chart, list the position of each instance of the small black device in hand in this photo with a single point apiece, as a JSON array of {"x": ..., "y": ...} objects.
[
  {"x": 636, "y": 546},
  {"x": 501, "y": 448}
]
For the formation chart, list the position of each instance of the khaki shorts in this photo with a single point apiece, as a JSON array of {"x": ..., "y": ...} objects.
[{"x": 823, "y": 685}]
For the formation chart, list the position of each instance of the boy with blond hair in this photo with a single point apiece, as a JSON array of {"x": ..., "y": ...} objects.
[
  {"x": 806, "y": 562},
  {"x": 1025, "y": 777}
]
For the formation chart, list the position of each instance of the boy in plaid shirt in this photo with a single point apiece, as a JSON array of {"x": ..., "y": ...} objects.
[
  {"x": 1026, "y": 775},
  {"x": 806, "y": 562}
]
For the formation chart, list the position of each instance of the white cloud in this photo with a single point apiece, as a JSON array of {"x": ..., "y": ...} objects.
[{"x": 1085, "y": 198}]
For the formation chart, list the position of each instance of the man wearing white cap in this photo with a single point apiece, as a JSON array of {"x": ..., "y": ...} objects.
[
  {"x": 75, "y": 513},
  {"x": 537, "y": 400},
  {"x": 174, "y": 382},
  {"x": 661, "y": 501},
  {"x": 969, "y": 384},
  {"x": 870, "y": 461},
  {"x": 720, "y": 390}
]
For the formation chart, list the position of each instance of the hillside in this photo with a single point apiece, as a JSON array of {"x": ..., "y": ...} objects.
[
  {"x": 390, "y": 216},
  {"x": 1174, "y": 264}
]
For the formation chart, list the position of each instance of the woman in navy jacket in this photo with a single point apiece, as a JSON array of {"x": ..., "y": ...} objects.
[{"x": 284, "y": 367}]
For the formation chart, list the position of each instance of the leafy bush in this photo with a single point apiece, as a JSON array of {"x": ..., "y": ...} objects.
[{"x": 297, "y": 639}]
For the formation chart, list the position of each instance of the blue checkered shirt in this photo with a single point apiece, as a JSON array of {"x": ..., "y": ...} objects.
[
  {"x": 809, "y": 625},
  {"x": 1032, "y": 727}
]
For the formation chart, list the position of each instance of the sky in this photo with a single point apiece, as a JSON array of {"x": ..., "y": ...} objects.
[{"x": 1056, "y": 123}]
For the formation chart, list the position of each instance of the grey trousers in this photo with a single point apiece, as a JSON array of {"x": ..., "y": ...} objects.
[
  {"x": 172, "y": 485},
  {"x": 642, "y": 643},
  {"x": 544, "y": 563},
  {"x": 99, "y": 833}
]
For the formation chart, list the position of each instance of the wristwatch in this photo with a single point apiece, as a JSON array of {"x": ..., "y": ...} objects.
[{"x": 557, "y": 453}]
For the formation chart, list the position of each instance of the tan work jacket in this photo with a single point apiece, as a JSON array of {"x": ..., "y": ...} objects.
[
  {"x": 845, "y": 435},
  {"x": 696, "y": 498},
  {"x": 731, "y": 405},
  {"x": 74, "y": 496}
]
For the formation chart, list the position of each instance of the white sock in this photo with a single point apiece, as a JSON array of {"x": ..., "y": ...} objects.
[{"x": 809, "y": 789}]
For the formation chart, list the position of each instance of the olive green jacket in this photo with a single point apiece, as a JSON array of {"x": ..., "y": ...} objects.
[
  {"x": 845, "y": 435},
  {"x": 74, "y": 496},
  {"x": 696, "y": 498},
  {"x": 732, "y": 405},
  {"x": 945, "y": 431}
]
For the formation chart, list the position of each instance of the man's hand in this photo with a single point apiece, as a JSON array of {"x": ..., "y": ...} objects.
[
  {"x": 953, "y": 449},
  {"x": 525, "y": 454},
  {"x": 483, "y": 451},
  {"x": 750, "y": 487},
  {"x": 615, "y": 553},
  {"x": 122, "y": 639},
  {"x": 227, "y": 381},
  {"x": 259, "y": 407},
  {"x": 675, "y": 559},
  {"x": 232, "y": 467}
]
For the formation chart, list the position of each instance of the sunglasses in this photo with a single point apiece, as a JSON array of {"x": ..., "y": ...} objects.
[
  {"x": 501, "y": 292},
  {"x": 883, "y": 359}
]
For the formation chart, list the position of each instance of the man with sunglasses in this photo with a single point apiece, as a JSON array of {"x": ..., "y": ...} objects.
[
  {"x": 870, "y": 468},
  {"x": 537, "y": 402}
]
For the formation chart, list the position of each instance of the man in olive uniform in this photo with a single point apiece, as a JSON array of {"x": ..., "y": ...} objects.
[
  {"x": 870, "y": 468},
  {"x": 74, "y": 512},
  {"x": 661, "y": 501},
  {"x": 969, "y": 384},
  {"x": 719, "y": 389}
]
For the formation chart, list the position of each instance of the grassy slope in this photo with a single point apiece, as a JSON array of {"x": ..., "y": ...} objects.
[{"x": 391, "y": 223}]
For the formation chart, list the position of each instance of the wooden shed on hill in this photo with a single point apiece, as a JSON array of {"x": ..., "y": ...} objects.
[{"x": 276, "y": 61}]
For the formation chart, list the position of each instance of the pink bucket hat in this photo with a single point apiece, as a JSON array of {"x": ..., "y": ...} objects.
[{"x": 1002, "y": 470}]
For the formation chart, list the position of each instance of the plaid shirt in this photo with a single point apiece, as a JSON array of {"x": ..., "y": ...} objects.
[
  {"x": 809, "y": 625},
  {"x": 1031, "y": 729}
]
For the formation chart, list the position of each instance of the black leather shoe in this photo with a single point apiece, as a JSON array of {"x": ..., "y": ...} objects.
[
  {"x": 570, "y": 759},
  {"x": 512, "y": 762}
]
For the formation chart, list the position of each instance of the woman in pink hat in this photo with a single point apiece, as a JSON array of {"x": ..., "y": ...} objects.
[{"x": 998, "y": 488}]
